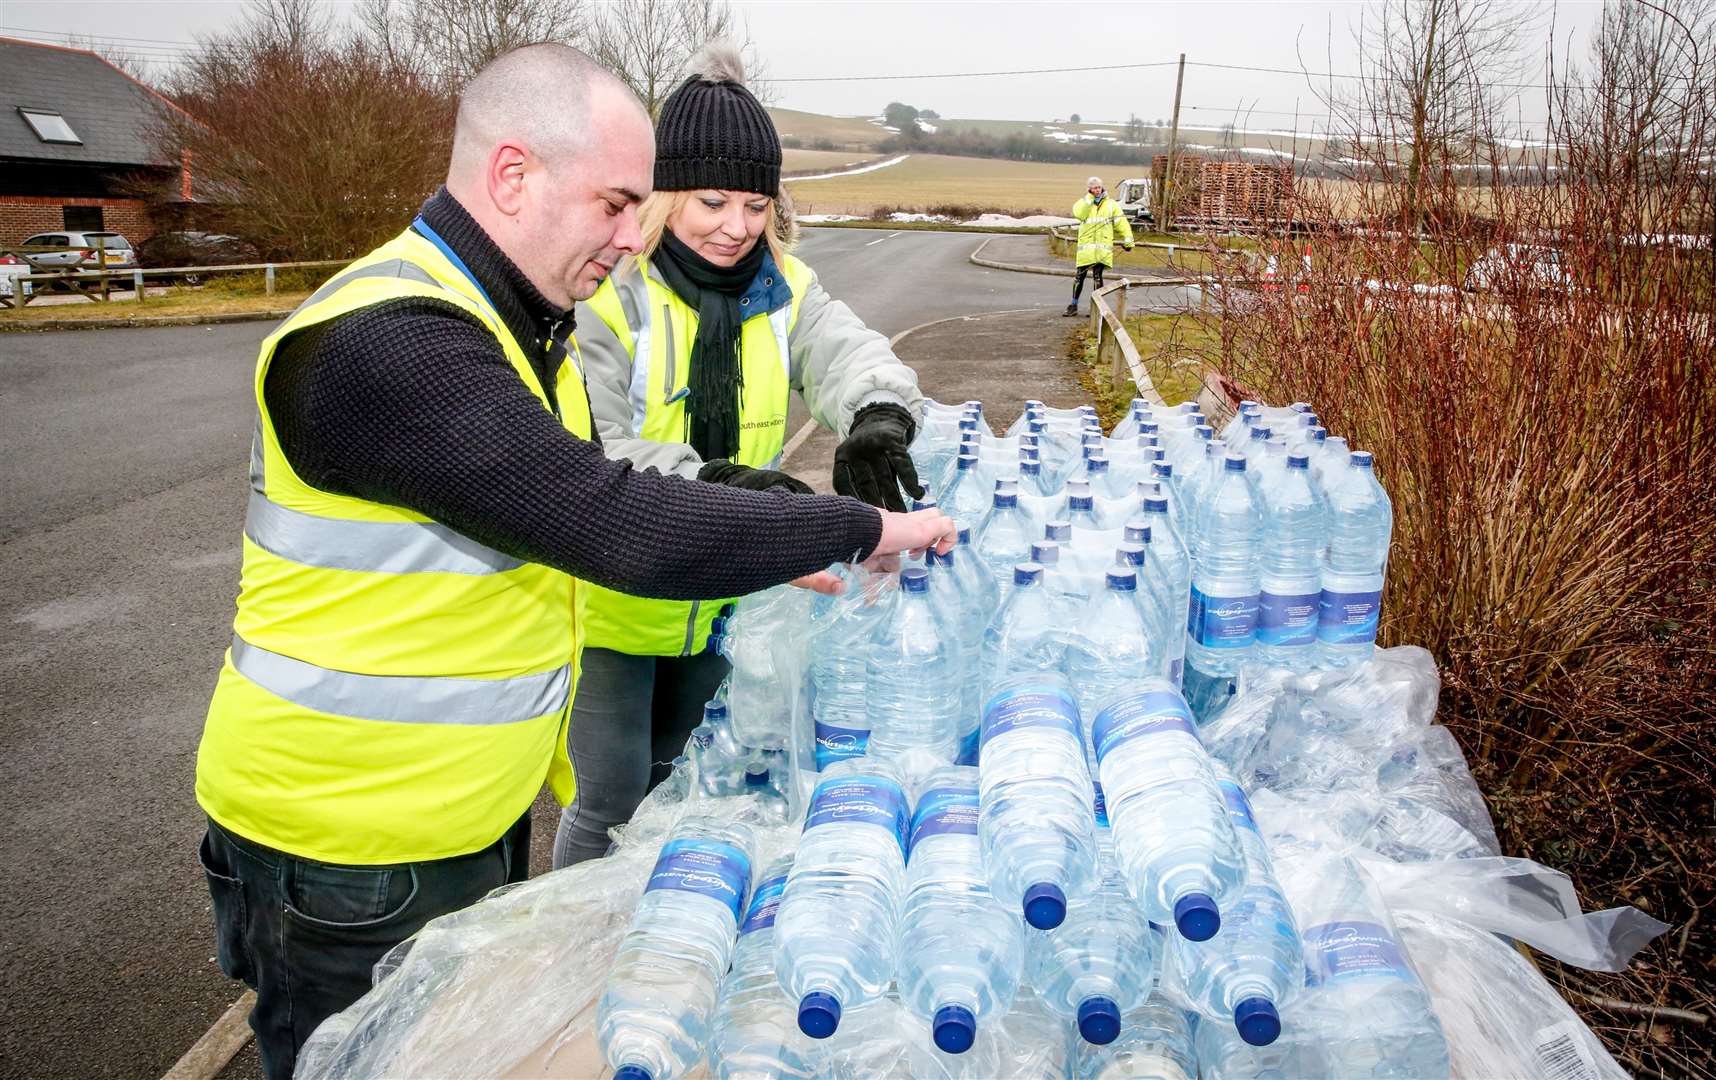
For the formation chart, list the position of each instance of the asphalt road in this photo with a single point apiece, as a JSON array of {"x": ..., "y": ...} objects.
[{"x": 121, "y": 502}]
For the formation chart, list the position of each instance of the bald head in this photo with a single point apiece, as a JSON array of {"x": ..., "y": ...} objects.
[
  {"x": 551, "y": 156},
  {"x": 537, "y": 95}
]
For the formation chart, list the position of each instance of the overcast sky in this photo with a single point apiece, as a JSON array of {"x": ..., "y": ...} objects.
[{"x": 812, "y": 39}]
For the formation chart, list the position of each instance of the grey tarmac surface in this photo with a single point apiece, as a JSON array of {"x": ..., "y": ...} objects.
[{"x": 121, "y": 503}]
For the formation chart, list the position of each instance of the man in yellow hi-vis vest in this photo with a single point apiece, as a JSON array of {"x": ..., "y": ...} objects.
[
  {"x": 1100, "y": 218},
  {"x": 425, "y": 494}
]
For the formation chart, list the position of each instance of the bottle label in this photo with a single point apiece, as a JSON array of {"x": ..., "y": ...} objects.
[
  {"x": 1222, "y": 622},
  {"x": 717, "y": 870},
  {"x": 945, "y": 810},
  {"x": 835, "y": 743},
  {"x": 1101, "y": 804},
  {"x": 1139, "y": 716},
  {"x": 1349, "y": 618},
  {"x": 1288, "y": 619},
  {"x": 1340, "y": 951},
  {"x": 1043, "y": 706},
  {"x": 866, "y": 800},
  {"x": 1238, "y": 806},
  {"x": 766, "y": 901},
  {"x": 969, "y": 746}
]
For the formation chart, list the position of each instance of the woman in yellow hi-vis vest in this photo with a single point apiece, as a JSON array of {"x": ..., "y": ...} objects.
[
  {"x": 692, "y": 352},
  {"x": 1100, "y": 218}
]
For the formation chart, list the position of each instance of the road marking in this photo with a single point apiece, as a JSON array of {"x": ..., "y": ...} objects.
[
  {"x": 219, "y": 1044},
  {"x": 873, "y": 243},
  {"x": 890, "y": 236}
]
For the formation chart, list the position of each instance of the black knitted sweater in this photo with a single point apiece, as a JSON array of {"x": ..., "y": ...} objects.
[{"x": 412, "y": 403}]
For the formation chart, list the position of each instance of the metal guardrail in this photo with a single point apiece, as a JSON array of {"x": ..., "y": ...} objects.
[
  {"x": 1108, "y": 324},
  {"x": 98, "y": 284}
]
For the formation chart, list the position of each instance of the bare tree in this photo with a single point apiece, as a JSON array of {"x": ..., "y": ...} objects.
[
  {"x": 453, "y": 39},
  {"x": 133, "y": 64},
  {"x": 650, "y": 43},
  {"x": 1438, "y": 75},
  {"x": 313, "y": 143}
]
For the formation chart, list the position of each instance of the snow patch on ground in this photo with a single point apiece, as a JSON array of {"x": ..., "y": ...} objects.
[
  {"x": 1099, "y": 131},
  {"x": 1028, "y": 220},
  {"x": 928, "y": 128},
  {"x": 872, "y": 167},
  {"x": 819, "y": 219}
]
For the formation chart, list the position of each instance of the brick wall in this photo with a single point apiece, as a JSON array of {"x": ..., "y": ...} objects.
[{"x": 22, "y": 216}]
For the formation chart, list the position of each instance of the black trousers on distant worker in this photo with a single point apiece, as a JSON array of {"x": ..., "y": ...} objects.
[
  {"x": 1094, "y": 269},
  {"x": 631, "y": 716},
  {"x": 306, "y": 935}
]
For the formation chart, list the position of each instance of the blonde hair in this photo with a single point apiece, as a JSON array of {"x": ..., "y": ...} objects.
[{"x": 780, "y": 235}]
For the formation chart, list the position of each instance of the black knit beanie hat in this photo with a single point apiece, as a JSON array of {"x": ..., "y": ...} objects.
[{"x": 713, "y": 133}]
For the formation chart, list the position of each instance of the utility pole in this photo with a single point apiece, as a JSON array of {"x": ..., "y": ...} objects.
[{"x": 1167, "y": 221}]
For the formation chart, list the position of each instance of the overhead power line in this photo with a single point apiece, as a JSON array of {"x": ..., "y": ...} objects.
[{"x": 967, "y": 74}]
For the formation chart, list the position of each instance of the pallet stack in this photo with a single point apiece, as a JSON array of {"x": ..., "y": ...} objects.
[{"x": 1226, "y": 191}]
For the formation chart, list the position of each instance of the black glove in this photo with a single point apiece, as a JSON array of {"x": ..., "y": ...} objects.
[
  {"x": 722, "y": 471},
  {"x": 872, "y": 464}
]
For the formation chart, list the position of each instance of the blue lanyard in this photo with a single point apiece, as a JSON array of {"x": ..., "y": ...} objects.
[{"x": 434, "y": 237}]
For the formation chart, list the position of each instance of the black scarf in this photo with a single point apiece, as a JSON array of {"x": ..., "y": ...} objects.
[{"x": 716, "y": 379}]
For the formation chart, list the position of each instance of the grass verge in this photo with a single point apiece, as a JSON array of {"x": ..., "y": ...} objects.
[
  {"x": 178, "y": 302},
  {"x": 1174, "y": 349},
  {"x": 922, "y": 226}
]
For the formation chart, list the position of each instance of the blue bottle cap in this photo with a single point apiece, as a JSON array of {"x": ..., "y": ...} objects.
[
  {"x": 965, "y": 535},
  {"x": 1027, "y": 573},
  {"x": 914, "y": 579},
  {"x": 703, "y": 736},
  {"x": 1131, "y": 554},
  {"x": 968, "y": 423},
  {"x": 932, "y": 557},
  {"x": 1310, "y": 419},
  {"x": 1361, "y": 459},
  {"x": 1300, "y": 406},
  {"x": 1257, "y": 1021},
  {"x": 1122, "y": 581},
  {"x": 1058, "y": 531},
  {"x": 714, "y": 710},
  {"x": 970, "y": 441},
  {"x": 1030, "y": 467},
  {"x": 1046, "y": 552},
  {"x": 1096, "y": 463},
  {"x": 1098, "y": 1020},
  {"x": 1205, "y": 431},
  {"x": 1260, "y": 434},
  {"x": 966, "y": 461},
  {"x": 1196, "y": 916},
  {"x": 1081, "y": 502},
  {"x": 1155, "y": 504},
  {"x": 923, "y": 504},
  {"x": 818, "y": 1014},
  {"x": 756, "y": 776},
  {"x": 1087, "y": 408},
  {"x": 1033, "y": 403},
  {"x": 631, "y": 1072},
  {"x": 1148, "y": 427},
  {"x": 1045, "y": 904},
  {"x": 1162, "y": 468},
  {"x": 1249, "y": 404},
  {"x": 1136, "y": 532},
  {"x": 1028, "y": 439},
  {"x": 1298, "y": 461},
  {"x": 954, "y": 1029},
  {"x": 1318, "y": 433},
  {"x": 1092, "y": 438},
  {"x": 1234, "y": 463},
  {"x": 1005, "y": 500},
  {"x": 1037, "y": 426}
]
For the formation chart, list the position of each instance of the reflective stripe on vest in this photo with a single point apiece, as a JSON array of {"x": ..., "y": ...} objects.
[
  {"x": 404, "y": 699},
  {"x": 395, "y": 691}
]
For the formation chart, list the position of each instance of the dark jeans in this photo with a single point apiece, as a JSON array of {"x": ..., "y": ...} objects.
[
  {"x": 1094, "y": 269},
  {"x": 305, "y": 935},
  {"x": 631, "y": 716}
]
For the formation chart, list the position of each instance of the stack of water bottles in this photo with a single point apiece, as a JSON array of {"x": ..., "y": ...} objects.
[{"x": 997, "y": 796}]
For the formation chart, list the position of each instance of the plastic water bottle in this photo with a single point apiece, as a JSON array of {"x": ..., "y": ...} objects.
[
  {"x": 1024, "y": 636},
  {"x": 1037, "y": 816},
  {"x": 1330, "y": 464},
  {"x": 1245, "y": 973},
  {"x": 1169, "y": 553},
  {"x": 1362, "y": 1001},
  {"x": 835, "y": 930},
  {"x": 1032, "y": 480},
  {"x": 1155, "y": 1042},
  {"x": 1222, "y": 620},
  {"x": 839, "y": 673},
  {"x": 977, "y": 587},
  {"x": 1295, "y": 530},
  {"x": 1168, "y": 486},
  {"x": 755, "y": 1031},
  {"x": 1361, "y": 524},
  {"x": 1066, "y": 596},
  {"x": 960, "y": 950},
  {"x": 654, "y": 1014},
  {"x": 1149, "y": 596},
  {"x": 913, "y": 674},
  {"x": 1005, "y": 535},
  {"x": 959, "y": 616},
  {"x": 963, "y": 498},
  {"x": 1172, "y": 836},
  {"x": 1112, "y": 648},
  {"x": 1100, "y": 962}
]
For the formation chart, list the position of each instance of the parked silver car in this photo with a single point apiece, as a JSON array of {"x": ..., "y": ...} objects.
[{"x": 71, "y": 249}]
